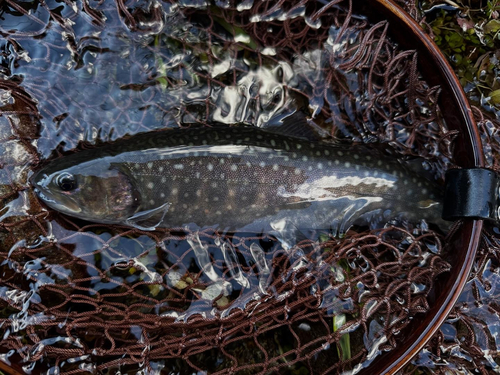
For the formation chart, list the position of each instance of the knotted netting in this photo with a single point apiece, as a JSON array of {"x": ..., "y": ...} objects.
[{"x": 83, "y": 297}]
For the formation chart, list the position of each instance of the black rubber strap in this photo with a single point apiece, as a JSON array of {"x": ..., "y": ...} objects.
[{"x": 471, "y": 193}]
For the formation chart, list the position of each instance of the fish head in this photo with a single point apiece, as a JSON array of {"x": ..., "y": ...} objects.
[{"x": 93, "y": 190}]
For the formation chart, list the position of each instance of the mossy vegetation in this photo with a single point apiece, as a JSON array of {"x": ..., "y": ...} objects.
[{"x": 468, "y": 33}]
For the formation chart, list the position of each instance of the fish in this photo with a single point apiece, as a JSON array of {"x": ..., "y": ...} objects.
[{"x": 235, "y": 178}]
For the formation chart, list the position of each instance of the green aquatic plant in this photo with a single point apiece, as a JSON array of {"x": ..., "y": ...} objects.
[
  {"x": 341, "y": 270},
  {"x": 468, "y": 33}
]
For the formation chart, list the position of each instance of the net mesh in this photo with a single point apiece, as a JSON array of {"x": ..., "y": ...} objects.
[
  {"x": 77, "y": 297},
  {"x": 467, "y": 343}
]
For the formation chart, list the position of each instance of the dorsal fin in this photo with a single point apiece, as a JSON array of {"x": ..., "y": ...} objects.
[{"x": 296, "y": 125}]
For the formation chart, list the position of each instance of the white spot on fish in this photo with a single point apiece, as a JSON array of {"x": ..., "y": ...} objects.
[
  {"x": 162, "y": 195},
  {"x": 150, "y": 165},
  {"x": 222, "y": 161},
  {"x": 296, "y": 171},
  {"x": 150, "y": 185},
  {"x": 262, "y": 164},
  {"x": 273, "y": 143},
  {"x": 320, "y": 166},
  {"x": 160, "y": 169},
  {"x": 356, "y": 156},
  {"x": 187, "y": 180},
  {"x": 179, "y": 166},
  {"x": 275, "y": 167},
  {"x": 198, "y": 193},
  {"x": 234, "y": 167},
  {"x": 304, "y": 158},
  {"x": 210, "y": 167},
  {"x": 152, "y": 202},
  {"x": 163, "y": 180},
  {"x": 327, "y": 152},
  {"x": 186, "y": 195},
  {"x": 175, "y": 191},
  {"x": 340, "y": 153},
  {"x": 347, "y": 164}
]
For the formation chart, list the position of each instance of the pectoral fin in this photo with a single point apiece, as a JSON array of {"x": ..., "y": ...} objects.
[{"x": 150, "y": 219}]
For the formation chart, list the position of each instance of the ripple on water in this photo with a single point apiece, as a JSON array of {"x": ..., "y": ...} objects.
[{"x": 93, "y": 71}]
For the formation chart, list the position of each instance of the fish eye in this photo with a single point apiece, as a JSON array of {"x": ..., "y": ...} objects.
[{"x": 66, "y": 181}]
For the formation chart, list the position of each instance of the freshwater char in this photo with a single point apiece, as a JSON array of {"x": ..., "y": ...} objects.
[{"x": 235, "y": 178}]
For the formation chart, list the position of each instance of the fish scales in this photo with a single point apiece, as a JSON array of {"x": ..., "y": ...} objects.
[{"x": 236, "y": 178}]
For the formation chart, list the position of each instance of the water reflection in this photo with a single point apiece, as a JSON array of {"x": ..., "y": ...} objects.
[{"x": 95, "y": 71}]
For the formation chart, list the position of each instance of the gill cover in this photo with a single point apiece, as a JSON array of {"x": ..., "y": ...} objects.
[{"x": 89, "y": 191}]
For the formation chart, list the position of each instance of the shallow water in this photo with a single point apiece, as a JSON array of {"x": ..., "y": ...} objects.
[
  {"x": 468, "y": 341},
  {"x": 95, "y": 71}
]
